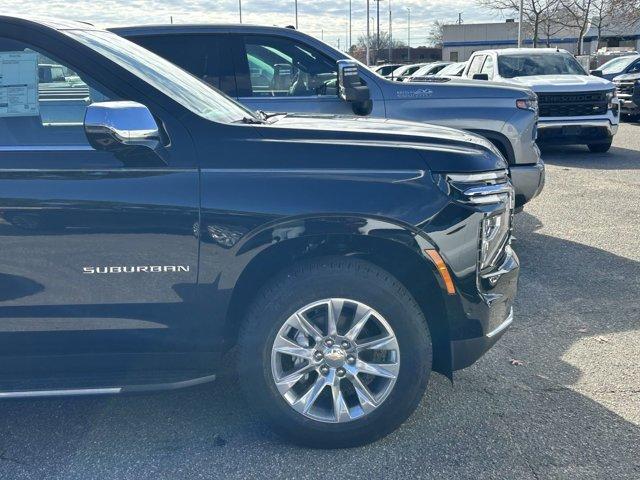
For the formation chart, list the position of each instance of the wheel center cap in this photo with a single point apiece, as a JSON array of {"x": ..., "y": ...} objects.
[{"x": 335, "y": 356}]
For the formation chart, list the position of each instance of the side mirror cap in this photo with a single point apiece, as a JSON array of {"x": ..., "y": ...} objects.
[
  {"x": 119, "y": 126},
  {"x": 596, "y": 73},
  {"x": 480, "y": 76},
  {"x": 351, "y": 87}
]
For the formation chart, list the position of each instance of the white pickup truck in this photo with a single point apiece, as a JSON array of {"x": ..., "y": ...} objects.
[{"x": 575, "y": 107}]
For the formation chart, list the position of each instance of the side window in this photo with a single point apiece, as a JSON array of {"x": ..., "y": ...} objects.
[
  {"x": 42, "y": 101},
  {"x": 476, "y": 65},
  {"x": 488, "y": 67},
  {"x": 281, "y": 67},
  {"x": 635, "y": 68},
  {"x": 198, "y": 54}
]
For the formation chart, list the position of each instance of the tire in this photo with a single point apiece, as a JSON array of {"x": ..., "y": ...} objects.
[
  {"x": 599, "y": 147},
  {"x": 306, "y": 287}
]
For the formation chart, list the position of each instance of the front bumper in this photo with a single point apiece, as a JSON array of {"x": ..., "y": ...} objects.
[
  {"x": 465, "y": 352},
  {"x": 492, "y": 315},
  {"x": 576, "y": 132},
  {"x": 628, "y": 105},
  {"x": 528, "y": 181}
]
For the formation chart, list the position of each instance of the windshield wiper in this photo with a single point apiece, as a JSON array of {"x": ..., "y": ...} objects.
[
  {"x": 267, "y": 116},
  {"x": 250, "y": 120}
]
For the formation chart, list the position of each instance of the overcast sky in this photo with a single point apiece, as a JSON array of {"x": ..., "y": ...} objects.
[{"x": 327, "y": 18}]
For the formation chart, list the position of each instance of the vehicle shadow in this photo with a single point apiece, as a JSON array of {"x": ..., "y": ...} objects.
[
  {"x": 578, "y": 156},
  {"x": 537, "y": 419}
]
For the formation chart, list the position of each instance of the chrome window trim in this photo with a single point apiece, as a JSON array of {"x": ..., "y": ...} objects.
[
  {"x": 45, "y": 148},
  {"x": 60, "y": 393}
]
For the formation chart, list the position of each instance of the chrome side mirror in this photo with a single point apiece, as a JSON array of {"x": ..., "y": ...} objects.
[{"x": 118, "y": 126}]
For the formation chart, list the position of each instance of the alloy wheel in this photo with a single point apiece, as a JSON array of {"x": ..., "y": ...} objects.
[{"x": 335, "y": 360}]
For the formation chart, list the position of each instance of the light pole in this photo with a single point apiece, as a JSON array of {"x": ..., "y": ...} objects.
[
  {"x": 296, "y": 2},
  {"x": 520, "y": 25},
  {"x": 390, "y": 33},
  {"x": 368, "y": 33},
  {"x": 378, "y": 29},
  {"x": 374, "y": 55},
  {"x": 408, "y": 33},
  {"x": 240, "y": 9},
  {"x": 349, "y": 46}
]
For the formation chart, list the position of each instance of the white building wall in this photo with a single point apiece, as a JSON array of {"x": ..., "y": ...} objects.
[{"x": 461, "y": 41}]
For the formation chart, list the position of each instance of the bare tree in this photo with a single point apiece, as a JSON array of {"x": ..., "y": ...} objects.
[
  {"x": 580, "y": 15},
  {"x": 436, "y": 33},
  {"x": 549, "y": 26},
  {"x": 575, "y": 16},
  {"x": 617, "y": 15},
  {"x": 536, "y": 13},
  {"x": 376, "y": 48}
]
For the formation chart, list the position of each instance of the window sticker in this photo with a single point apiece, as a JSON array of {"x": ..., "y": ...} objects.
[{"x": 18, "y": 84}]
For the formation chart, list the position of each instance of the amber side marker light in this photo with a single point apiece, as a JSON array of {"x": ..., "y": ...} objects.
[{"x": 442, "y": 270}]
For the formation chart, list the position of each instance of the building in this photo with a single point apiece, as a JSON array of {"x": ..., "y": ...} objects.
[{"x": 460, "y": 41}]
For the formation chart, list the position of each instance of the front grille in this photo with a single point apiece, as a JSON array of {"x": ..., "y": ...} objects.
[
  {"x": 579, "y": 104},
  {"x": 624, "y": 88}
]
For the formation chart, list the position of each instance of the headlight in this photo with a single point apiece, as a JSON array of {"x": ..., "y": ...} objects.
[
  {"x": 480, "y": 188},
  {"x": 494, "y": 236},
  {"x": 528, "y": 104},
  {"x": 611, "y": 96},
  {"x": 492, "y": 193}
]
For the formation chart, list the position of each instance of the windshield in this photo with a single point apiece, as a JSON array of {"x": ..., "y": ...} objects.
[
  {"x": 454, "y": 69},
  {"x": 385, "y": 69},
  {"x": 529, "y": 64},
  {"x": 189, "y": 91},
  {"x": 618, "y": 64},
  {"x": 405, "y": 70},
  {"x": 423, "y": 70}
]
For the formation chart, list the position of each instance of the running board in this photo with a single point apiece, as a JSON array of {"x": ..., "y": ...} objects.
[{"x": 77, "y": 392}]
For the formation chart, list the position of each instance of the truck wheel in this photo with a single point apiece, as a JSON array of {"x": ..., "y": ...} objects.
[
  {"x": 334, "y": 353},
  {"x": 599, "y": 147}
]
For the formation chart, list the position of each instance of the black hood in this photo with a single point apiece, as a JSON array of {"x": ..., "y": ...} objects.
[{"x": 443, "y": 148}]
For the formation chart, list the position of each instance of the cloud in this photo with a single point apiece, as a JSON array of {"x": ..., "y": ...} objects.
[{"x": 321, "y": 18}]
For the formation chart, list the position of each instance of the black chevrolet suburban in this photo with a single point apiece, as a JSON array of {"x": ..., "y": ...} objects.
[{"x": 149, "y": 223}]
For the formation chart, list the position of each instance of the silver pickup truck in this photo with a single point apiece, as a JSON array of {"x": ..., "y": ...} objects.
[{"x": 283, "y": 70}]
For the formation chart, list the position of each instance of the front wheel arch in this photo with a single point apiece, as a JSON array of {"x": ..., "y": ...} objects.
[
  {"x": 501, "y": 142},
  {"x": 417, "y": 274}
]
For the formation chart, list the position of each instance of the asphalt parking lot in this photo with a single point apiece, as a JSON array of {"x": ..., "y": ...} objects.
[{"x": 557, "y": 397}]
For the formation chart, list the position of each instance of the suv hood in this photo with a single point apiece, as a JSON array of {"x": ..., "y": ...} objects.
[
  {"x": 455, "y": 87},
  {"x": 627, "y": 77},
  {"x": 443, "y": 148},
  {"x": 563, "y": 83}
]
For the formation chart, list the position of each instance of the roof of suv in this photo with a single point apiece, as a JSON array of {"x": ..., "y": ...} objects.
[
  {"x": 50, "y": 22},
  {"x": 200, "y": 28}
]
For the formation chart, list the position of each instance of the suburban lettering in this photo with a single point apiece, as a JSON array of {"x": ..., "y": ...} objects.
[{"x": 138, "y": 269}]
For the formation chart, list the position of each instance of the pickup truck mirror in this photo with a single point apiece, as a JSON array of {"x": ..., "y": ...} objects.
[
  {"x": 121, "y": 126},
  {"x": 596, "y": 73},
  {"x": 480, "y": 76},
  {"x": 352, "y": 89}
]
